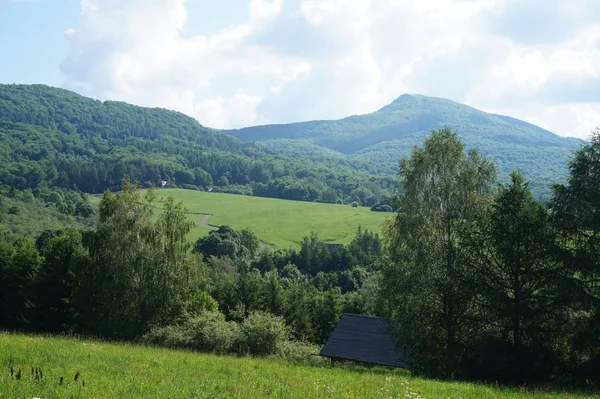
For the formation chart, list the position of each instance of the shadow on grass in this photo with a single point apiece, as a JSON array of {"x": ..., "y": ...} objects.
[{"x": 558, "y": 390}]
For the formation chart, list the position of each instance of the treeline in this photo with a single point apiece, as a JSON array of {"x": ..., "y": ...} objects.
[
  {"x": 134, "y": 276},
  {"x": 58, "y": 138},
  {"x": 490, "y": 284}
]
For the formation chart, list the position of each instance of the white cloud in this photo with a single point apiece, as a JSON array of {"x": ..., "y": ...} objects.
[
  {"x": 528, "y": 69},
  {"x": 308, "y": 59},
  {"x": 575, "y": 120},
  {"x": 121, "y": 52},
  {"x": 237, "y": 110}
]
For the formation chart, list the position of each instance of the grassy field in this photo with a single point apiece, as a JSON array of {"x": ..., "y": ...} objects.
[
  {"x": 278, "y": 223},
  {"x": 125, "y": 371}
]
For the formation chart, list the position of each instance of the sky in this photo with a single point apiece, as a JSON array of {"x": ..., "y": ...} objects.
[{"x": 238, "y": 63}]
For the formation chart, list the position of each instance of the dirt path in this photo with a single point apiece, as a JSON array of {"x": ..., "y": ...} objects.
[
  {"x": 265, "y": 246},
  {"x": 204, "y": 222}
]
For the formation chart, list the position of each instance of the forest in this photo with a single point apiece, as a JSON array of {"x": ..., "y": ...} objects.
[{"x": 56, "y": 138}]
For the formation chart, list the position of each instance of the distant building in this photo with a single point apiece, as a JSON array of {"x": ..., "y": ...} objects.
[{"x": 362, "y": 339}]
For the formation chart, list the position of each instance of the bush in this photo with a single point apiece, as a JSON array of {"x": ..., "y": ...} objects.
[
  {"x": 263, "y": 333},
  {"x": 260, "y": 334},
  {"x": 236, "y": 189},
  {"x": 206, "y": 332},
  {"x": 188, "y": 186},
  {"x": 300, "y": 352},
  {"x": 354, "y": 204},
  {"x": 381, "y": 208},
  {"x": 201, "y": 301}
]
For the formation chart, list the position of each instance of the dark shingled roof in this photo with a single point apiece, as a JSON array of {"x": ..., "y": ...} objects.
[{"x": 362, "y": 339}]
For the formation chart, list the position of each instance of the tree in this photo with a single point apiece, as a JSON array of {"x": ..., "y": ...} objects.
[
  {"x": 575, "y": 210},
  {"x": 329, "y": 195},
  {"x": 19, "y": 267},
  {"x": 519, "y": 305},
  {"x": 54, "y": 283},
  {"x": 6, "y": 255},
  {"x": 249, "y": 241},
  {"x": 226, "y": 241},
  {"x": 313, "y": 256},
  {"x": 426, "y": 285},
  {"x": 327, "y": 313},
  {"x": 139, "y": 270},
  {"x": 272, "y": 293},
  {"x": 299, "y": 304},
  {"x": 202, "y": 178},
  {"x": 248, "y": 291},
  {"x": 365, "y": 247}
]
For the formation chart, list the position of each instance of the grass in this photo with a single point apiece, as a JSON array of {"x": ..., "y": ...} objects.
[
  {"x": 278, "y": 223},
  {"x": 126, "y": 371},
  {"x": 33, "y": 217}
]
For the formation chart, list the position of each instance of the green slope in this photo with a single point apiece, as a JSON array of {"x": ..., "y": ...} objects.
[
  {"x": 106, "y": 370},
  {"x": 278, "y": 223},
  {"x": 384, "y": 136}
]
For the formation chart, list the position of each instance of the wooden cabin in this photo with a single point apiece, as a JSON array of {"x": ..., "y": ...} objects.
[{"x": 362, "y": 339}]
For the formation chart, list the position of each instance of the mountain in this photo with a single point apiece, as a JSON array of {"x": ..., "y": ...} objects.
[
  {"x": 57, "y": 138},
  {"x": 54, "y": 137},
  {"x": 381, "y": 138}
]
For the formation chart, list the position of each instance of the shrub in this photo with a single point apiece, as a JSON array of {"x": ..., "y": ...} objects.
[
  {"x": 206, "y": 332},
  {"x": 300, "y": 352},
  {"x": 188, "y": 186},
  {"x": 260, "y": 334},
  {"x": 263, "y": 333},
  {"x": 201, "y": 301},
  {"x": 381, "y": 208},
  {"x": 354, "y": 204}
]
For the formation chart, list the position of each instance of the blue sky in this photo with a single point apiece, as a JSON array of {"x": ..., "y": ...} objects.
[
  {"x": 242, "y": 62},
  {"x": 32, "y": 43},
  {"x": 33, "y": 33}
]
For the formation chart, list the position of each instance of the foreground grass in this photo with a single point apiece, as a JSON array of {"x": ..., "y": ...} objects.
[
  {"x": 276, "y": 222},
  {"x": 126, "y": 371}
]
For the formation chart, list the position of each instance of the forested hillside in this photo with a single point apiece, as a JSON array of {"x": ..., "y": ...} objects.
[
  {"x": 383, "y": 137},
  {"x": 55, "y": 137}
]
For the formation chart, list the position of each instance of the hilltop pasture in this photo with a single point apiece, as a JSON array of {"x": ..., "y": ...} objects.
[{"x": 277, "y": 223}]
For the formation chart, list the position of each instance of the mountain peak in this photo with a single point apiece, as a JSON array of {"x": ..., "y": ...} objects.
[
  {"x": 404, "y": 97},
  {"x": 404, "y": 100},
  {"x": 407, "y": 97},
  {"x": 384, "y": 136}
]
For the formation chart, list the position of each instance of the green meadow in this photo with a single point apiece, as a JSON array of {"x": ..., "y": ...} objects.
[
  {"x": 90, "y": 369},
  {"x": 276, "y": 222}
]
